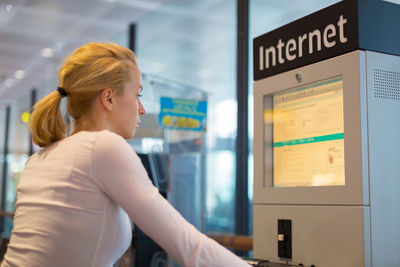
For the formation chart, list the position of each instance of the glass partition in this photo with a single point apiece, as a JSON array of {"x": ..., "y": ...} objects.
[{"x": 193, "y": 43}]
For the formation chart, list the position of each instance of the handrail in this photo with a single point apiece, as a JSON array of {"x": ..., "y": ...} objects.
[
  {"x": 239, "y": 242},
  {"x": 4, "y": 213}
]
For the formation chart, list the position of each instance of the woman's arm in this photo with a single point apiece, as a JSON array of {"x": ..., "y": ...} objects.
[{"x": 119, "y": 172}]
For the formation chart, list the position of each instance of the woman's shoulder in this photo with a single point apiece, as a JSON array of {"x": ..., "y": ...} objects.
[
  {"x": 106, "y": 137},
  {"x": 107, "y": 141},
  {"x": 112, "y": 149}
]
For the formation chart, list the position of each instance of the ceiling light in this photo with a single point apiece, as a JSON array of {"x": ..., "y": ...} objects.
[
  {"x": 393, "y": 1},
  {"x": 9, "y": 83},
  {"x": 9, "y": 8},
  {"x": 47, "y": 52},
  {"x": 19, "y": 74}
]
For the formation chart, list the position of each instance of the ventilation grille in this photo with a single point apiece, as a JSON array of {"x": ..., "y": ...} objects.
[{"x": 387, "y": 84}]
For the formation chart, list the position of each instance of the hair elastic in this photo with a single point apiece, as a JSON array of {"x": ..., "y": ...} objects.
[{"x": 61, "y": 91}]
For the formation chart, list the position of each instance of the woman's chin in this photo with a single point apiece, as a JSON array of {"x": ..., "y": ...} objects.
[
  {"x": 131, "y": 135},
  {"x": 127, "y": 134}
]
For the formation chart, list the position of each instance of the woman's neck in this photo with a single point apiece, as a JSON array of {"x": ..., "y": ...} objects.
[
  {"x": 96, "y": 119},
  {"x": 89, "y": 125}
]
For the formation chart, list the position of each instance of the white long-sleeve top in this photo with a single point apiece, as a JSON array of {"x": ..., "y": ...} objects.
[{"x": 73, "y": 202}]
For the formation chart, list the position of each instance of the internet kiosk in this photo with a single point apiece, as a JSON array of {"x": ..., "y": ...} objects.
[{"x": 327, "y": 138}]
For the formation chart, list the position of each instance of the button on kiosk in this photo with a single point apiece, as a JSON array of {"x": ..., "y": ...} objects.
[{"x": 327, "y": 138}]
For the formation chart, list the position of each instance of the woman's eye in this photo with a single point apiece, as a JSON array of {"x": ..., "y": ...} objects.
[{"x": 140, "y": 95}]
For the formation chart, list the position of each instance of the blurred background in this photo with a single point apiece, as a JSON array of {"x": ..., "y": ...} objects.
[{"x": 187, "y": 49}]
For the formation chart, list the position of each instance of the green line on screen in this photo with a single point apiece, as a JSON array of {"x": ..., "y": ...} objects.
[{"x": 309, "y": 140}]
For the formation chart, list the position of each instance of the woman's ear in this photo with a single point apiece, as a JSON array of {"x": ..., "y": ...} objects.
[{"x": 107, "y": 99}]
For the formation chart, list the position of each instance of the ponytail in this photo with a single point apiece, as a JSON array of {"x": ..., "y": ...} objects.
[{"x": 46, "y": 124}]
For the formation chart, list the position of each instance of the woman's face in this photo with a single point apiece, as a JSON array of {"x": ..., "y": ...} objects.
[{"x": 128, "y": 108}]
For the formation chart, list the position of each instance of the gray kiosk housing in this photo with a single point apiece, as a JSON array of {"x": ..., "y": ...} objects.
[{"x": 356, "y": 223}]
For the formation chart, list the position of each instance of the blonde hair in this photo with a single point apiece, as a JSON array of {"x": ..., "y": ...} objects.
[{"x": 87, "y": 71}]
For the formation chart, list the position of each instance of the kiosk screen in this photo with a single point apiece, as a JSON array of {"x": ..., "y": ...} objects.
[{"x": 307, "y": 135}]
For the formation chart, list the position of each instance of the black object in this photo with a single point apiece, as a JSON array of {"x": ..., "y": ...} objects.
[
  {"x": 132, "y": 37},
  {"x": 267, "y": 263},
  {"x": 285, "y": 238},
  {"x": 33, "y": 101},
  {"x": 254, "y": 262},
  {"x": 146, "y": 249},
  {"x": 242, "y": 138},
  {"x": 61, "y": 91},
  {"x": 146, "y": 161},
  {"x": 3, "y": 246},
  {"x": 5, "y": 165},
  {"x": 157, "y": 167}
]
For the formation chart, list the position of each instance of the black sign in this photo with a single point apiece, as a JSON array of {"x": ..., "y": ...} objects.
[
  {"x": 324, "y": 34},
  {"x": 335, "y": 30}
]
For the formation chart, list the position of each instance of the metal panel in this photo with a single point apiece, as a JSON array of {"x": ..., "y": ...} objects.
[
  {"x": 383, "y": 82},
  {"x": 327, "y": 236}
]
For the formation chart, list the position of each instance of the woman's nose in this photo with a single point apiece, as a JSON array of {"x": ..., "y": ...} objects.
[{"x": 142, "y": 111}]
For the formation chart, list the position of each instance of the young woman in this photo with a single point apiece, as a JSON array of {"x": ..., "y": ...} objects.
[{"x": 76, "y": 193}]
